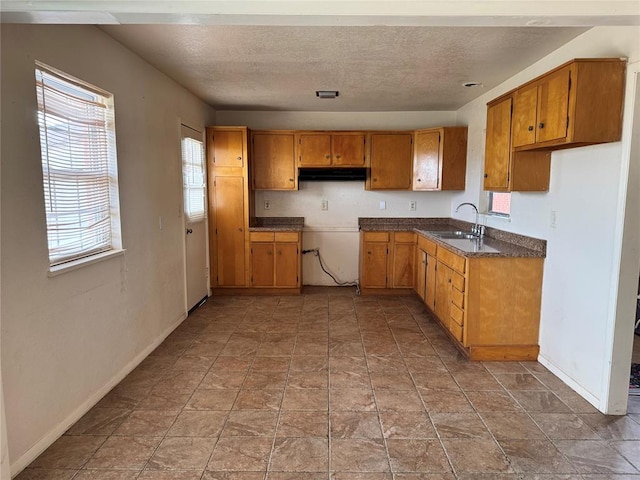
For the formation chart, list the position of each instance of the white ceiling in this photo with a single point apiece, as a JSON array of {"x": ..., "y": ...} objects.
[
  {"x": 375, "y": 68},
  {"x": 398, "y": 55}
]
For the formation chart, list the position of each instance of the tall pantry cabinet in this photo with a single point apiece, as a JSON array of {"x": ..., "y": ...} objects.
[{"x": 230, "y": 205}]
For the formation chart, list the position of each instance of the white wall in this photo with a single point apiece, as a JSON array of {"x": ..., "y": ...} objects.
[
  {"x": 67, "y": 339},
  {"x": 335, "y": 231},
  {"x": 581, "y": 269}
]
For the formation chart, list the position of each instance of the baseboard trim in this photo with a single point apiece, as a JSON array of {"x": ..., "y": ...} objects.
[
  {"x": 589, "y": 397},
  {"x": 55, "y": 433}
]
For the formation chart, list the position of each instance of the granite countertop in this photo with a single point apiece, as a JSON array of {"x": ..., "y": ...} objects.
[
  {"x": 276, "y": 224},
  {"x": 496, "y": 243}
]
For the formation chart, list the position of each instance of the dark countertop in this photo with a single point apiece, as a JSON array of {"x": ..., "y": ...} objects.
[
  {"x": 276, "y": 224},
  {"x": 496, "y": 243}
]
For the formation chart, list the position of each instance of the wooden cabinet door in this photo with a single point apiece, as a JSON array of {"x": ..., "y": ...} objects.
[
  {"x": 430, "y": 283},
  {"x": 498, "y": 147},
  {"x": 443, "y": 293},
  {"x": 391, "y": 161},
  {"x": 226, "y": 148},
  {"x": 348, "y": 149},
  {"x": 286, "y": 264},
  {"x": 262, "y": 273},
  {"x": 421, "y": 273},
  {"x": 426, "y": 164},
  {"x": 525, "y": 101},
  {"x": 273, "y": 161},
  {"x": 229, "y": 223},
  {"x": 553, "y": 106},
  {"x": 314, "y": 150},
  {"x": 374, "y": 265},
  {"x": 403, "y": 258}
]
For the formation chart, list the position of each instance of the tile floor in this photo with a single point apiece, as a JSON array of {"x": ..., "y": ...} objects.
[{"x": 330, "y": 386}]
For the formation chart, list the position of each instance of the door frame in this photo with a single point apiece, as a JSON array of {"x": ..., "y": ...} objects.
[
  {"x": 202, "y": 132},
  {"x": 620, "y": 333}
]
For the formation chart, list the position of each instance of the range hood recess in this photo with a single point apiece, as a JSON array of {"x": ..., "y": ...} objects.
[{"x": 332, "y": 174}]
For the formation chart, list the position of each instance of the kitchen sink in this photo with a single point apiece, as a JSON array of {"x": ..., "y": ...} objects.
[{"x": 453, "y": 234}]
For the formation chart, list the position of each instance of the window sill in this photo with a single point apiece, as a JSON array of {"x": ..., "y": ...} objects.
[{"x": 83, "y": 262}]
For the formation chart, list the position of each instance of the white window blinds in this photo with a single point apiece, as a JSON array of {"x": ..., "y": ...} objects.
[
  {"x": 77, "y": 140},
  {"x": 193, "y": 175}
]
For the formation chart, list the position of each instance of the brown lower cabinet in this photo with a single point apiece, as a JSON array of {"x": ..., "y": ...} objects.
[
  {"x": 489, "y": 305},
  {"x": 276, "y": 260},
  {"x": 387, "y": 260}
]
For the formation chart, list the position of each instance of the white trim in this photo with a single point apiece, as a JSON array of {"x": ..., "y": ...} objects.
[
  {"x": 56, "y": 432},
  {"x": 56, "y": 270},
  {"x": 588, "y": 396}
]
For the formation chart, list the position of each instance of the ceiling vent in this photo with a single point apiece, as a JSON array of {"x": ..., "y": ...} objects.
[{"x": 327, "y": 93}]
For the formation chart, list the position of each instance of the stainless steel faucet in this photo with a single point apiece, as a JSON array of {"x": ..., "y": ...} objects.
[{"x": 477, "y": 229}]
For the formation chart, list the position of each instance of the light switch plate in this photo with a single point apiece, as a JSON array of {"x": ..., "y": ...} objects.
[
  {"x": 554, "y": 219},
  {"x": 325, "y": 205},
  {"x": 412, "y": 205},
  {"x": 383, "y": 205},
  {"x": 267, "y": 205}
]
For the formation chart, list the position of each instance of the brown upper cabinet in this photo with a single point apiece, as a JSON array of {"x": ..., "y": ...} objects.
[
  {"x": 579, "y": 103},
  {"x": 440, "y": 158},
  {"x": 273, "y": 160},
  {"x": 226, "y": 146},
  {"x": 391, "y": 156},
  {"x": 506, "y": 170},
  {"x": 337, "y": 149}
]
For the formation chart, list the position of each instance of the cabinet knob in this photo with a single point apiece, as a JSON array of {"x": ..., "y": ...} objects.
[
  {"x": 530, "y": 128},
  {"x": 269, "y": 252},
  {"x": 240, "y": 229},
  {"x": 338, "y": 156},
  {"x": 449, "y": 280},
  {"x": 486, "y": 175},
  {"x": 279, "y": 252},
  {"x": 375, "y": 179},
  {"x": 239, "y": 158},
  {"x": 541, "y": 125},
  {"x": 327, "y": 156},
  {"x": 369, "y": 253},
  {"x": 419, "y": 179}
]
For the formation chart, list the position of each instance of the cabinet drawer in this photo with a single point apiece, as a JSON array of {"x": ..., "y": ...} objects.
[
  {"x": 449, "y": 258},
  {"x": 457, "y": 281},
  {"x": 261, "y": 236},
  {"x": 427, "y": 245},
  {"x": 405, "y": 237},
  {"x": 457, "y": 315},
  {"x": 456, "y": 330},
  {"x": 457, "y": 297},
  {"x": 376, "y": 236},
  {"x": 287, "y": 236}
]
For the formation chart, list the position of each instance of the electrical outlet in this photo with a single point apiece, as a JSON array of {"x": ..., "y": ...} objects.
[
  {"x": 325, "y": 205},
  {"x": 554, "y": 219},
  {"x": 412, "y": 205},
  {"x": 267, "y": 205},
  {"x": 383, "y": 205}
]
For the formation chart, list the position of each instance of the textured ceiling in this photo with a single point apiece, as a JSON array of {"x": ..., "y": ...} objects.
[{"x": 375, "y": 68}]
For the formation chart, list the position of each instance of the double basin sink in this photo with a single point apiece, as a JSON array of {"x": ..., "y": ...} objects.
[{"x": 451, "y": 234}]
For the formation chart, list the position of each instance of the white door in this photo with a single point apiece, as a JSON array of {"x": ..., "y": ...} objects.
[{"x": 195, "y": 216}]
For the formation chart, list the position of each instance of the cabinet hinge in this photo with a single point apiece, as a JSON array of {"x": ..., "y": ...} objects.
[
  {"x": 216, "y": 231},
  {"x": 252, "y": 251}
]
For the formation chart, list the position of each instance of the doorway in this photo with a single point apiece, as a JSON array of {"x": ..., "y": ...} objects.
[{"x": 195, "y": 216}]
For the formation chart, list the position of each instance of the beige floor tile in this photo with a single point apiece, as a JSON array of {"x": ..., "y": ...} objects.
[
  {"x": 305, "y": 399},
  {"x": 177, "y": 453},
  {"x": 99, "y": 421},
  {"x": 241, "y": 454},
  {"x": 198, "y": 423},
  {"x": 300, "y": 454},
  {"x": 258, "y": 399},
  {"x": 359, "y": 455},
  {"x": 212, "y": 399},
  {"x": 124, "y": 452},
  {"x": 302, "y": 424},
  {"x": 459, "y": 425},
  {"x": 512, "y": 425},
  {"x": 407, "y": 425},
  {"x": 250, "y": 423},
  {"x": 477, "y": 455},
  {"x": 413, "y": 455},
  {"x": 360, "y": 399},
  {"x": 69, "y": 452},
  {"x": 355, "y": 425},
  {"x": 147, "y": 423}
]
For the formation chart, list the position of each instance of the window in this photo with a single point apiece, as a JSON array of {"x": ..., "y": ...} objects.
[
  {"x": 77, "y": 143},
  {"x": 500, "y": 204},
  {"x": 193, "y": 175}
]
